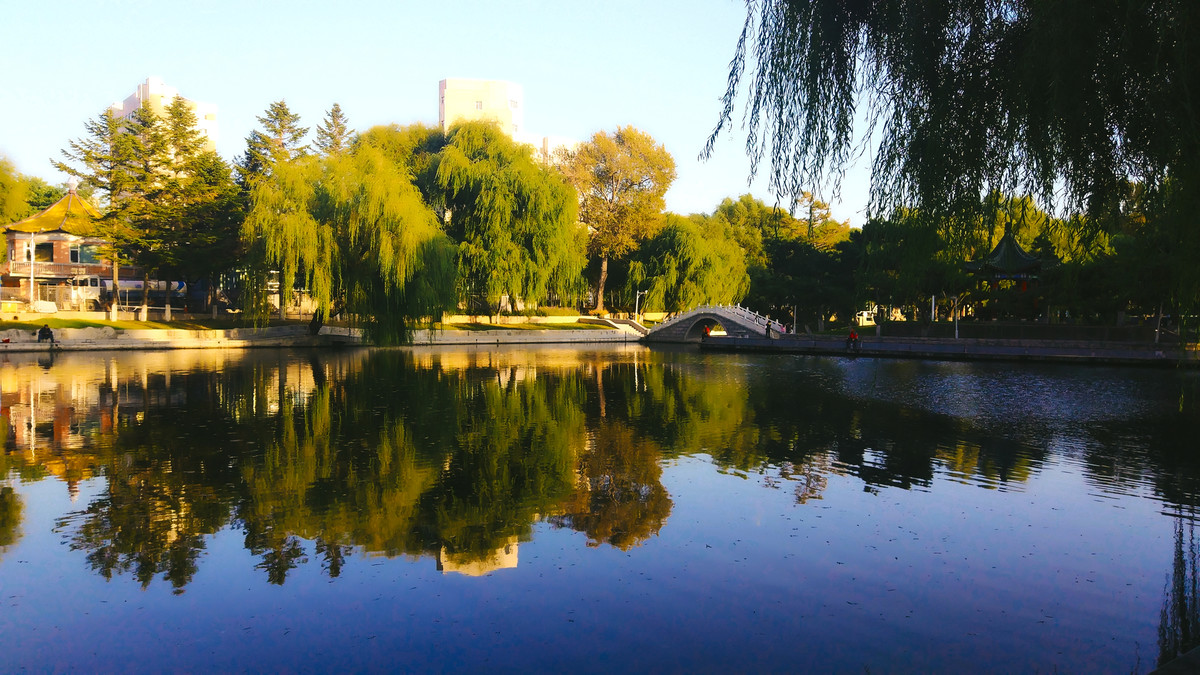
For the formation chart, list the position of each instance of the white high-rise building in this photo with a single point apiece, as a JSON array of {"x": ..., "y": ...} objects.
[
  {"x": 461, "y": 100},
  {"x": 468, "y": 100},
  {"x": 159, "y": 95}
]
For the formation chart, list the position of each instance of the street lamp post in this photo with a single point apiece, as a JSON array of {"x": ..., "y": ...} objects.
[
  {"x": 637, "y": 303},
  {"x": 32, "y": 257},
  {"x": 954, "y": 310}
]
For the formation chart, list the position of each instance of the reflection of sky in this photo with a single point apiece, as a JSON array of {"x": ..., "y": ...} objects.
[
  {"x": 952, "y": 578},
  {"x": 1005, "y": 393}
]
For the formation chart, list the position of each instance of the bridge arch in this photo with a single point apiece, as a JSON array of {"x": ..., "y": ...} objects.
[{"x": 689, "y": 327}]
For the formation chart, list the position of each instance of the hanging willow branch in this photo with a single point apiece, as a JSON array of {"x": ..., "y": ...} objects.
[
  {"x": 361, "y": 236},
  {"x": 1064, "y": 99}
]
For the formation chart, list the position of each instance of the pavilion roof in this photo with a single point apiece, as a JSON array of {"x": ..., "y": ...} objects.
[
  {"x": 1008, "y": 258},
  {"x": 71, "y": 214}
]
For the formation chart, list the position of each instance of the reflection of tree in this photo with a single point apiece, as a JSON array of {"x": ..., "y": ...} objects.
[
  {"x": 10, "y": 517},
  {"x": 1179, "y": 622},
  {"x": 317, "y": 456},
  {"x": 145, "y": 526},
  {"x": 619, "y": 499},
  {"x": 512, "y": 460}
]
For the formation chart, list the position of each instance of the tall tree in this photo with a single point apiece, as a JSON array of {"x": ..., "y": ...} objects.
[
  {"x": 513, "y": 218},
  {"x": 621, "y": 179},
  {"x": 281, "y": 139},
  {"x": 334, "y": 136},
  {"x": 107, "y": 161},
  {"x": 101, "y": 159},
  {"x": 357, "y": 231},
  {"x": 689, "y": 263}
]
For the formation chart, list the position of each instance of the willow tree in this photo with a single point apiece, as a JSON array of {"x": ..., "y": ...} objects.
[
  {"x": 358, "y": 233},
  {"x": 514, "y": 219},
  {"x": 621, "y": 179},
  {"x": 689, "y": 263},
  {"x": 1066, "y": 100}
]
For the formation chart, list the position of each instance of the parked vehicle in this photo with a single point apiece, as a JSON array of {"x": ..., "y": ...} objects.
[{"x": 92, "y": 292}]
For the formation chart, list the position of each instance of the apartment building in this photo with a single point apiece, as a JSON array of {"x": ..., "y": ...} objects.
[{"x": 160, "y": 95}]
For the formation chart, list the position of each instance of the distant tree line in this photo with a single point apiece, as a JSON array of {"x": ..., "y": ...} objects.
[{"x": 397, "y": 225}]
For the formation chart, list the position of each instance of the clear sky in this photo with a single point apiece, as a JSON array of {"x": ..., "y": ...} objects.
[{"x": 584, "y": 66}]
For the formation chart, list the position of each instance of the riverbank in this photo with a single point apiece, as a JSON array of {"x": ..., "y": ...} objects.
[
  {"x": 951, "y": 349},
  {"x": 107, "y": 338},
  {"x": 104, "y": 338}
]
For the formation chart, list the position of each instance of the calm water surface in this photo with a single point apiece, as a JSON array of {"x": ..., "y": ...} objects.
[{"x": 621, "y": 509}]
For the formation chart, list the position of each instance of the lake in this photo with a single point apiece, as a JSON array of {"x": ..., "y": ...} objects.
[{"x": 593, "y": 510}]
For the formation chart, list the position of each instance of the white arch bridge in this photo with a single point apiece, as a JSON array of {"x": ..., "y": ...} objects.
[{"x": 735, "y": 319}]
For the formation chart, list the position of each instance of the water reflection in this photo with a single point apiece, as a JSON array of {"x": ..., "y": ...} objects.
[
  {"x": 455, "y": 456},
  {"x": 1179, "y": 622}
]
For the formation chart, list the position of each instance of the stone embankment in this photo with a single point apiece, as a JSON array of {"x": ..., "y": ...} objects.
[
  {"x": 106, "y": 338},
  {"x": 1117, "y": 353},
  {"x": 527, "y": 336}
]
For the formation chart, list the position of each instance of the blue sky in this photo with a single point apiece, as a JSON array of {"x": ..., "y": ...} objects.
[{"x": 584, "y": 67}]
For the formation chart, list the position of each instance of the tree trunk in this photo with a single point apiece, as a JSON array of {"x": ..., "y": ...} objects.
[
  {"x": 114, "y": 307},
  {"x": 318, "y": 320},
  {"x": 145, "y": 313},
  {"x": 600, "y": 286}
]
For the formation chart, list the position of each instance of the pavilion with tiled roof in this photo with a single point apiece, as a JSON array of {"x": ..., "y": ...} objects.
[
  {"x": 1007, "y": 261},
  {"x": 71, "y": 214},
  {"x": 52, "y": 250}
]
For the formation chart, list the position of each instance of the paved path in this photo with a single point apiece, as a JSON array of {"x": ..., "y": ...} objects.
[{"x": 968, "y": 349}]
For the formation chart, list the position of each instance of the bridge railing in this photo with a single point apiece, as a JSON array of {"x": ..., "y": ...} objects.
[{"x": 736, "y": 311}]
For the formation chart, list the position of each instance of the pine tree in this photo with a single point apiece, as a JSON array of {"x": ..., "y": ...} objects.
[
  {"x": 101, "y": 159},
  {"x": 333, "y": 135},
  {"x": 280, "y": 140}
]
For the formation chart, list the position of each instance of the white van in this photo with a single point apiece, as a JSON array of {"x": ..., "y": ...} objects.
[{"x": 86, "y": 292}]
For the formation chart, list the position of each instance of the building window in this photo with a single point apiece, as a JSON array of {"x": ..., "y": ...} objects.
[
  {"x": 85, "y": 254},
  {"x": 512, "y": 103},
  {"x": 43, "y": 253},
  {"x": 515, "y": 129},
  {"x": 479, "y": 105}
]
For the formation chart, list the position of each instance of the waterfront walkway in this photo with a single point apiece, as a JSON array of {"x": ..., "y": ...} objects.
[
  {"x": 951, "y": 349},
  {"x": 105, "y": 339}
]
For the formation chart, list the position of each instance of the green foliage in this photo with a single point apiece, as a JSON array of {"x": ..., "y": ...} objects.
[
  {"x": 172, "y": 207},
  {"x": 1066, "y": 100},
  {"x": 354, "y": 227},
  {"x": 281, "y": 139},
  {"x": 513, "y": 218},
  {"x": 103, "y": 160},
  {"x": 10, "y": 517},
  {"x": 974, "y": 97},
  {"x": 334, "y": 136},
  {"x": 42, "y": 195},
  {"x": 14, "y": 193},
  {"x": 689, "y": 263},
  {"x": 621, "y": 179}
]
